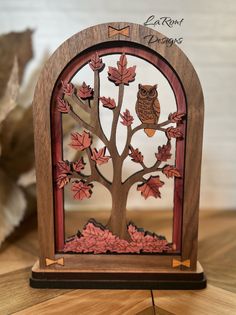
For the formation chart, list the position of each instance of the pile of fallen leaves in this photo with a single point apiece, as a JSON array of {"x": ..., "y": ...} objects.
[{"x": 97, "y": 239}]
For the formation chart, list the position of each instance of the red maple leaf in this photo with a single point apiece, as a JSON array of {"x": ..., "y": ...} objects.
[
  {"x": 78, "y": 166},
  {"x": 136, "y": 155},
  {"x": 96, "y": 62},
  {"x": 151, "y": 187},
  {"x": 108, "y": 102},
  {"x": 63, "y": 170},
  {"x": 176, "y": 117},
  {"x": 99, "y": 156},
  {"x": 80, "y": 141},
  {"x": 62, "y": 105},
  {"x": 170, "y": 171},
  {"x": 121, "y": 74},
  {"x": 82, "y": 190},
  {"x": 62, "y": 180},
  {"x": 172, "y": 132},
  {"x": 68, "y": 88},
  {"x": 164, "y": 152},
  {"x": 85, "y": 91},
  {"x": 63, "y": 167},
  {"x": 127, "y": 118}
]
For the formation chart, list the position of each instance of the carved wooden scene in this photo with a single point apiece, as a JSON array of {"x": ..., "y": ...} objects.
[
  {"x": 118, "y": 235},
  {"x": 97, "y": 252}
]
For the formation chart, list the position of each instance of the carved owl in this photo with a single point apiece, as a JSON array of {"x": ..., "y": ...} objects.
[{"x": 147, "y": 106}]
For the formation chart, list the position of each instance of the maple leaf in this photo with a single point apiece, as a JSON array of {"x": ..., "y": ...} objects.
[
  {"x": 96, "y": 62},
  {"x": 78, "y": 166},
  {"x": 170, "y": 171},
  {"x": 62, "y": 105},
  {"x": 68, "y": 88},
  {"x": 172, "y": 132},
  {"x": 63, "y": 167},
  {"x": 127, "y": 118},
  {"x": 80, "y": 141},
  {"x": 164, "y": 152},
  {"x": 150, "y": 188},
  {"x": 85, "y": 91},
  {"x": 99, "y": 156},
  {"x": 136, "y": 155},
  {"x": 108, "y": 102},
  {"x": 63, "y": 170},
  {"x": 121, "y": 74},
  {"x": 82, "y": 190},
  {"x": 176, "y": 117},
  {"x": 62, "y": 180}
]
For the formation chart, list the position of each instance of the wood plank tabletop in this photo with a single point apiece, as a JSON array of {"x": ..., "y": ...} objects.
[{"x": 217, "y": 254}]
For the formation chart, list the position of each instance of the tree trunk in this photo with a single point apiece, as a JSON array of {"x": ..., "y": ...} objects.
[{"x": 117, "y": 223}]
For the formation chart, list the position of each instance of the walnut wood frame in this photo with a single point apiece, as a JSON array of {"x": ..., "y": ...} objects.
[{"x": 90, "y": 265}]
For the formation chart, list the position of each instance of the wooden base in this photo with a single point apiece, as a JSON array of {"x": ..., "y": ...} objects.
[{"x": 75, "y": 279}]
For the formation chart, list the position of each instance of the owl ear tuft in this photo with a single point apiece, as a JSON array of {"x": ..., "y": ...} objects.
[
  {"x": 140, "y": 85},
  {"x": 155, "y": 86}
]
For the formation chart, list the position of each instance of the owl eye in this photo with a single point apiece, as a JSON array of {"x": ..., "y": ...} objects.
[
  {"x": 152, "y": 92},
  {"x": 143, "y": 92}
]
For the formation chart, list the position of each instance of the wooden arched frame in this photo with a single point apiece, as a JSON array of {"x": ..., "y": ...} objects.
[
  {"x": 57, "y": 146},
  {"x": 189, "y": 92}
]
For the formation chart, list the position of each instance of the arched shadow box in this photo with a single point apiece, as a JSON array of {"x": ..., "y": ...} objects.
[{"x": 117, "y": 253}]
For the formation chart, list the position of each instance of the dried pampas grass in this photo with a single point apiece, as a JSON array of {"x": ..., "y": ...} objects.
[
  {"x": 17, "y": 173},
  {"x": 16, "y": 51}
]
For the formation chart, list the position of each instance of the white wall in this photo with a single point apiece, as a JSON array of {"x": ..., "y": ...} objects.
[{"x": 209, "y": 32}]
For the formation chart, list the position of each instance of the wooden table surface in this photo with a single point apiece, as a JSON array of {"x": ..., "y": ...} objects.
[{"x": 217, "y": 254}]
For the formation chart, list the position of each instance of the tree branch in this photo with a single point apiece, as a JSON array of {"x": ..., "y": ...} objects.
[
  {"x": 92, "y": 129},
  {"x": 150, "y": 126},
  {"x": 79, "y": 102},
  {"x": 95, "y": 111},
  {"x": 164, "y": 123},
  {"x": 98, "y": 177},
  {"x": 95, "y": 176},
  {"x": 97, "y": 130},
  {"x": 127, "y": 144},
  {"x": 80, "y": 120},
  {"x": 79, "y": 176},
  {"x": 131, "y": 132},
  {"x": 96, "y": 92},
  {"x": 116, "y": 114},
  {"x": 137, "y": 177}
]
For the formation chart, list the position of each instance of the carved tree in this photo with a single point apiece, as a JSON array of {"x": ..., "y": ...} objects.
[{"x": 73, "y": 171}]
